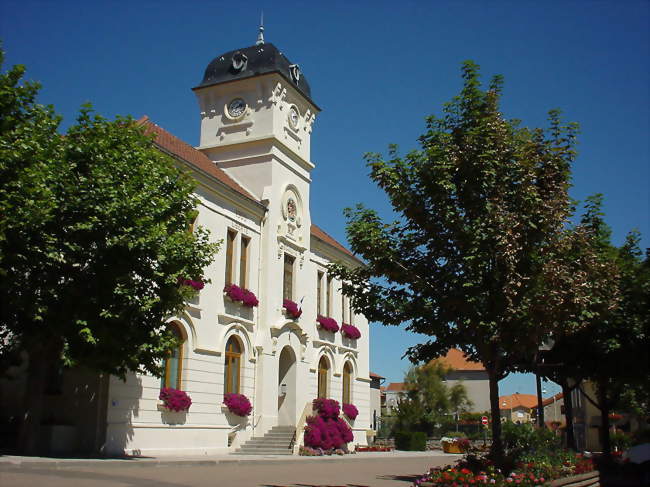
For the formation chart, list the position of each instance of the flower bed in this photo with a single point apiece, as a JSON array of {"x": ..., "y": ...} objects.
[
  {"x": 238, "y": 404},
  {"x": 351, "y": 411},
  {"x": 373, "y": 448},
  {"x": 242, "y": 295},
  {"x": 327, "y": 323},
  {"x": 174, "y": 399},
  {"x": 474, "y": 470},
  {"x": 291, "y": 309},
  {"x": 350, "y": 331}
]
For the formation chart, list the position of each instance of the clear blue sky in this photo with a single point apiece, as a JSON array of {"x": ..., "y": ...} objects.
[{"x": 377, "y": 69}]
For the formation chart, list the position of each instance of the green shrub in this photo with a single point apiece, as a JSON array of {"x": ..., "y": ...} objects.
[
  {"x": 521, "y": 440},
  {"x": 411, "y": 440},
  {"x": 620, "y": 440}
]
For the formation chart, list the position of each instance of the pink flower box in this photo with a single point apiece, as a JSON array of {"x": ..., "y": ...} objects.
[
  {"x": 174, "y": 399},
  {"x": 350, "y": 331},
  {"x": 328, "y": 324}
]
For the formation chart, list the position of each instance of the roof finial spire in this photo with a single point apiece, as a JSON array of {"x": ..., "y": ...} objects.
[{"x": 260, "y": 36}]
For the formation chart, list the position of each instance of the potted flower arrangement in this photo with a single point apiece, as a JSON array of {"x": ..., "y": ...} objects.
[
  {"x": 196, "y": 284},
  {"x": 351, "y": 411},
  {"x": 174, "y": 399},
  {"x": 328, "y": 324},
  {"x": 455, "y": 445},
  {"x": 350, "y": 331},
  {"x": 241, "y": 295},
  {"x": 291, "y": 309},
  {"x": 238, "y": 404},
  {"x": 326, "y": 431}
]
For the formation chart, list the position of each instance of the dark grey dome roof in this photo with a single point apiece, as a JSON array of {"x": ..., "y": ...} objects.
[{"x": 254, "y": 61}]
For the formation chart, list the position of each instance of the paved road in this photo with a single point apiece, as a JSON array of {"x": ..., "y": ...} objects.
[{"x": 362, "y": 471}]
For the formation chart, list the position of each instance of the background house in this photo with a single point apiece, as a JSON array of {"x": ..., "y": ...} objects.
[
  {"x": 472, "y": 375},
  {"x": 554, "y": 410},
  {"x": 517, "y": 408},
  {"x": 375, "y": 399},
  {"x": 393, "y": 394}
]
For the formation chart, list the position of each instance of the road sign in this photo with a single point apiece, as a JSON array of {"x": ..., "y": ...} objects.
[{"x": 484, "y": 420}]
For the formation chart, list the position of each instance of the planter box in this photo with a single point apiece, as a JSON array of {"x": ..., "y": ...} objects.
[{"x": 451, "y": 448}]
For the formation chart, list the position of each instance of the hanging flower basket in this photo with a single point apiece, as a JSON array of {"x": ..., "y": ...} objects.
[
  {"x": 351, "y": 411},
  {"x": 196, "y": 284},
  {"x": 327, "y": 323},
  {"x": 350, "y": 331},
  {"x": 174, "y": 399},
  {"x": 238, "y": 404},
  {"x": 240, "y": 295},
  {"x": 291, "y": 309}
]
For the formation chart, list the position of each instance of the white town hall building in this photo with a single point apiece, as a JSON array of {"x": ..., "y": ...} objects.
[{"x": 253, "y": 172}]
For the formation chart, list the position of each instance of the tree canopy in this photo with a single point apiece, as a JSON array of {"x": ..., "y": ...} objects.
[
  {"x": 94, "y": 238},
  {"x": 481, "y": 205}
]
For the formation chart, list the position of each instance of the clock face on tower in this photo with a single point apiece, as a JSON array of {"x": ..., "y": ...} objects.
[
  {"x": 236, "y": 108},
  {"x": 294, "y": 117}
]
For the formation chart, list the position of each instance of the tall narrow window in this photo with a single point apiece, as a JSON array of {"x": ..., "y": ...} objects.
[
  {"x": 323, "y": 373},
  {"x": 232, "y": 366},
  {"x": 243, "y": 262},
  {"x": 347, "y": 383},
  {"x": 343, "y": 307},
  {"x": 329, "y": 296},
  {"x": 174, "y": 361},
  {"x": 319, "y": 293},
  {"x": 230, "y": 251},
  {"x": 287, "y": 283}
]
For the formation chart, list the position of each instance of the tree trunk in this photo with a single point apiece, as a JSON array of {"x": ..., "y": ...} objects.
[
  {"x": 604, "y": 418},
  {"x": 497, "y": 444},
  {"x": 540, "y": 401},
  {"x": 568, "y": 415},
  {"x": 41, "y": 359}
]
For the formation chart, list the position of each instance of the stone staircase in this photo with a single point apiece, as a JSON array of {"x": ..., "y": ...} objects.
[{"x": 275, "y": 442}]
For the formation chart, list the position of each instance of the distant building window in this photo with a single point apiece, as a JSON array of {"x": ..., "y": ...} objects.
[
  {"x": 232, "y": 366},
  {"x": 323, "y": 376},
  {"x": 328, "y": 290},
  {"x": 174, "y": 361},
  {"x": 319, "y": 293},
  {"x": 243, "y": 262},
  {"x": 230, "y": 255},
  {"x": 347, "y": 383},
  {"x": 287, "y": 284}
]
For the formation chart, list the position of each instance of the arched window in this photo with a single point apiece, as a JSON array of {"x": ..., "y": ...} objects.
[
  {"x": 347, "y": 383},
  {"x": 174, "y": 362},
  {"x": 323, "y": 373},
  {"x": 231, "y": 374}
]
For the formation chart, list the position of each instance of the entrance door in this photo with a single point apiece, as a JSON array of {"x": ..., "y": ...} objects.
[{"x": 287, "y": 388}]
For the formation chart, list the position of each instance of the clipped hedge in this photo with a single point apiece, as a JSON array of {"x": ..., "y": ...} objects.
[{"x": 411, "y": 440}]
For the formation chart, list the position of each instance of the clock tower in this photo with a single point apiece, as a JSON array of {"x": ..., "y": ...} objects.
[{"x": 256, "y": 108}]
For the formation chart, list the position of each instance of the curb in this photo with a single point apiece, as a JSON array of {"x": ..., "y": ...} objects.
[{"x": 62, "y": 464}]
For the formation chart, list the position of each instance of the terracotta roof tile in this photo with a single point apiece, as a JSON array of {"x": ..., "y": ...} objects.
[
  {"x": 396, "y": 386},
  {"x": 320, "y": 234},
  {"x": 518, "y": 400},
  {"x": 552, "y": 399},
  {"x": 189, "y": 154},
  {"x": 376, "y": 376},
  {"x": 458, "y": 361}
]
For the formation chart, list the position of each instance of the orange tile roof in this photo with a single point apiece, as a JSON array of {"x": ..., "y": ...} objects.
[
  {"x": 458, "y": 361},
  {"x": 396, "y": 386},
  {"x": 552, "y": 399},
  {"x": 518, "y": 400},
  {"x": 189, "y": 154},
  {"x": 320, "y": 234},
  {"x": 376, "y": 376}
]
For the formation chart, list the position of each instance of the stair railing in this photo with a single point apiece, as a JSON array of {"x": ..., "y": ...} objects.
[{"x": 299, "y": 434}]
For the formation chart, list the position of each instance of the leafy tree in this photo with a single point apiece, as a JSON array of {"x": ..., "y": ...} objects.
[
  {"x": 480, "y": 206},
  {"x": 616, "y": 329},
  {"x": 93, "y": 243},
  {"x": 428, "y": 400}
]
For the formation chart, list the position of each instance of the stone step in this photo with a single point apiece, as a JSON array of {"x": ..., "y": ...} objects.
[
  {"x": 265, "y": 452},
  {"x": 265, "y": 445},
  {"x": 275, "y": 442}
]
